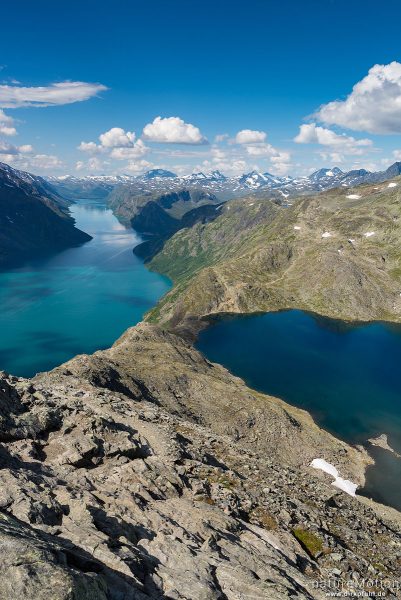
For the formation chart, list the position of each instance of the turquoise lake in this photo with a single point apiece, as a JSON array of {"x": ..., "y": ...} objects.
[
  {"x": 347, "y": 376},
  {"x": 77, "y": 301},
  {"x": 81, "y": 300}
]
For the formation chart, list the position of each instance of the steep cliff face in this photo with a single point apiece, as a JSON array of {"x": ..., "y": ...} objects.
[
  {"x": 33, "y": 218},
  {"x": 336, "y": 254},
  {"x": 144, "y": 471},
  {"x": 127, "y": 202},
  {"x": 159, "y": 216}
]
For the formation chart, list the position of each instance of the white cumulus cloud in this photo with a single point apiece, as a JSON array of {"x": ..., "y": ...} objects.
[
  {"x": 9, "y": 149},
  {"x": 313, "y": 134},
  {"x": 117, "y": 144},
  {"x": 90, "y": 147},
  {"x": 221, "y": 137},
  {"x": 116, "y": 137},
  {"x": 25, "y": 149},
  {"x": 43, "y": 161},
  {"x": 374, "y": 105},
  {"x": 172, "y": 130},
  {"x": 23, "y": 158},
  {"x": 250, "y": 136},
  {"x": 138, "y": 167},
  {"x": 65, "y": 92},
  {"x": 135, "y": 151},
  {"x": 6, "y": 124},
  {"x": 93, "y": 164},
  {"x": 281, "y": 163},
  {"x": 261, "y": 150}
]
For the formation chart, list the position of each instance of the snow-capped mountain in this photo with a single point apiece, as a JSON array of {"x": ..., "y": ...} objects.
[
  {"x": 212, "y": 176},
  {"x": 253, "y": 180},
  {"x": 156, "y": 173},
  {"x": 325, "y": 174},
  {"x": 160, "y": 180},
  {"x": 34, "y": 184}
]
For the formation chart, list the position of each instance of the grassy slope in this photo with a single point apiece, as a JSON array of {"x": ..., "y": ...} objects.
[{"x": 252, "y": 259}]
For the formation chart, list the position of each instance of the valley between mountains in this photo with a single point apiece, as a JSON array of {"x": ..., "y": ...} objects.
[{"x": 144, "y": 471}]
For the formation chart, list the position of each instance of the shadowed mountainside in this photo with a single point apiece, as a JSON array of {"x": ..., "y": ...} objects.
[{"x": 33, "y": 218}]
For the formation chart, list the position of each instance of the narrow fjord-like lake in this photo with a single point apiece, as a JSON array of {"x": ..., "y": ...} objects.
[
  {"x": 347, "y": 376},
  {"x": 82, "y": 299},
  {"x": 79, "y": 300}
]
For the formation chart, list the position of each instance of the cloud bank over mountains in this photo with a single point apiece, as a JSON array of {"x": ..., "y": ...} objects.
[{"x": 373, "y": 106}]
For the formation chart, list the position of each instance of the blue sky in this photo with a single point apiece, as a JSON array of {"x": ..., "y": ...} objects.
[{"x": 251, "y": 73}]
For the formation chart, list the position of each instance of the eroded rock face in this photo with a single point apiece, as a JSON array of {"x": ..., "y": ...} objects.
[
  {"x": 144, "y": 471},
  {"x": 35, "y": 565}
]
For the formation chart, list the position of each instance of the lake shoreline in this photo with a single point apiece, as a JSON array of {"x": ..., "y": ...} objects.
[
  {"x": 205, "y": 323},
  {"x": 75, "y": 301},
  {"x": 338, "y": 327}
]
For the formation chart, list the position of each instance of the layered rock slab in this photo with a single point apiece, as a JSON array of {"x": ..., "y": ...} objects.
[{"x": 145, "y": 471}]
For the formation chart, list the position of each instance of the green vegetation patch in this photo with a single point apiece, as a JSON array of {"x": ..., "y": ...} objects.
[{"x": 309, "y": 541}]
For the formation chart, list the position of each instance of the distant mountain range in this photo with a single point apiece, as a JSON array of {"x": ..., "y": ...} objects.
[
  {"x": 160, "y": 180},
  {"x": 34, "y": 219}
]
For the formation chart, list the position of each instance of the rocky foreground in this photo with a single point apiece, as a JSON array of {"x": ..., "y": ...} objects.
[{"x": 145, "y": 471}]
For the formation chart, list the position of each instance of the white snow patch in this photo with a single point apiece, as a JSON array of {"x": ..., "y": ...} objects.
[
  {"x": 342, "y": 484},
  {"x": 326, "y": 234},
  {"x": 323, "y": 465},
  {"x": 353, "y": 196},
  {"x": 369, "y": 233},
  {"x": 392, "y": 184},
  {"x": 347, "y": 486}
]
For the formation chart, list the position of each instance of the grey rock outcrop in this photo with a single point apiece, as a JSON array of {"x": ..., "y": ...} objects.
[{"x": 146, "y": 472}]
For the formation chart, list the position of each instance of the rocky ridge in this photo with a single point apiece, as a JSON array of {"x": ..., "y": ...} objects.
[
  {"x": 145, "y": 471},
  {"x": 335, "y": 254}
]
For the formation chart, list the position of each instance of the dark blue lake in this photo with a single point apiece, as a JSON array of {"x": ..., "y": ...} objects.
[
  {"x": 347, "y": 376},
  {"x": 79, "y": 300}
]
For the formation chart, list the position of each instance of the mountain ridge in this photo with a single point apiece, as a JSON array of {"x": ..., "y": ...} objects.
[
  {"x": 34, "y": 219},
  {"x": 282, "y": 187},
  {"x": 335, "y": 254}
]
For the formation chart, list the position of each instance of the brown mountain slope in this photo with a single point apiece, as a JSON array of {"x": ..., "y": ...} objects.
[{"x": 337, "y": 254}]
